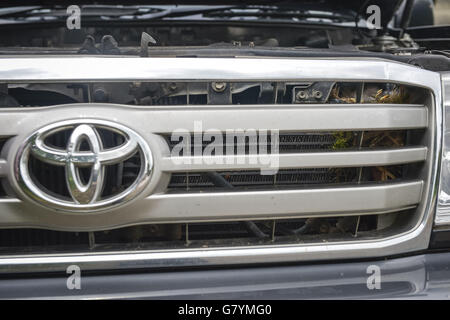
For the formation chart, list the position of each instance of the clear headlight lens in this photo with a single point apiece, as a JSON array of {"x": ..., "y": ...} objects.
[{"x": 443, "y": 208}]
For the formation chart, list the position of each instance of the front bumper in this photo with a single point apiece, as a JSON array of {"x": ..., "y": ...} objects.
[{"x": 424, "y": 276}]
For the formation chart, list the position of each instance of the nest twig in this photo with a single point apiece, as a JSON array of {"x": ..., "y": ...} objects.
[
  {"x": 384, "y": 139},
  {"x": 341, "y": 96},
  {"x": 383, "y": 174},
  {"x": 396, "y": 95}
]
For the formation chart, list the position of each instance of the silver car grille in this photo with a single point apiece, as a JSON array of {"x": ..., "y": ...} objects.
[{"x": 317, "y": 187}]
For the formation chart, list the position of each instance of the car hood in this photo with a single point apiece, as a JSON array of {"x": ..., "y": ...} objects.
[{"x": 388, "y": 7}]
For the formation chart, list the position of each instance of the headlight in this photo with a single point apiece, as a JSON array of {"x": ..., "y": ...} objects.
[{"x": 443, "y": 208}]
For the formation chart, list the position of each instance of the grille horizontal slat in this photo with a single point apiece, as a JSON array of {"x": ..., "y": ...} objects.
[
  {"x": 95, "y": 69},
  {"x": 364, "y": 199},
  {"x": 299, "y": 160},
  {"x": 297, "y": 118},
  {"x": 322, "y": 117},
  {"x": 351, "y": 200}
]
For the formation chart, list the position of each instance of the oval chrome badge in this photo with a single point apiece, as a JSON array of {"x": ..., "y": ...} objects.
[{"x": 83, "y": 165}]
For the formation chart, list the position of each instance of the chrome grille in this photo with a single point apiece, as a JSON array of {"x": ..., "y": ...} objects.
[{"x": 208, "y": 223}]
